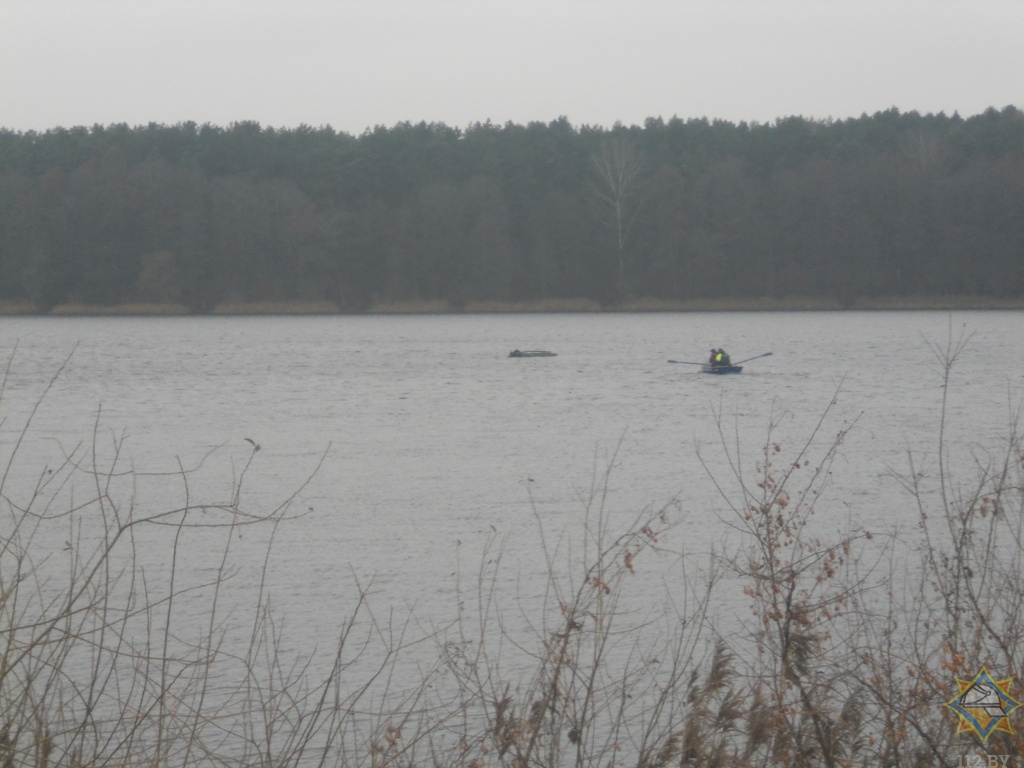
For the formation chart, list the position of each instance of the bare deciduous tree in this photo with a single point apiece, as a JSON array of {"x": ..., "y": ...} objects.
[{"x": 621, "y": 192}]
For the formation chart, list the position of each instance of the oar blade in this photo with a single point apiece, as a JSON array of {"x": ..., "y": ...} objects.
[{"x": 755, "y": 357}]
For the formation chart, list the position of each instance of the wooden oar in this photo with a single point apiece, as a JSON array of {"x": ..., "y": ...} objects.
[
  {"x": 686, "y": 362},
  {"x": 766, "y": 354}
]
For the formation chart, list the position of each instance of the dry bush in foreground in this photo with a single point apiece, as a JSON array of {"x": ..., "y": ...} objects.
[{"x": 117, "y": 649}]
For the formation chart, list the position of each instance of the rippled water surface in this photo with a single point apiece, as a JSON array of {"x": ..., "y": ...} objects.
[{"x": 425, "y": 440}]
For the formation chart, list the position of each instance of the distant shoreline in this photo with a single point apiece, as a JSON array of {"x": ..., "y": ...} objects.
[{"x": 790, "y": 304}]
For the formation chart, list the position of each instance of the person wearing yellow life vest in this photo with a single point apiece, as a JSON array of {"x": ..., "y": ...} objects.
[{"x": 720, "y": 358}]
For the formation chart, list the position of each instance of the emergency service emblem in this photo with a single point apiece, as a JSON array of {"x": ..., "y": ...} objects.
[{"x": 983, "y": 705}]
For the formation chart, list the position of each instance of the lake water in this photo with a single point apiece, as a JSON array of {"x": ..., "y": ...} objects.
[
  {"x": 432, "y": 435},
  {"x": 427, "y": 444}
]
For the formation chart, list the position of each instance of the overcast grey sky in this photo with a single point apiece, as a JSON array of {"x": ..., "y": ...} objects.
[{"x": 355, "y": 64}]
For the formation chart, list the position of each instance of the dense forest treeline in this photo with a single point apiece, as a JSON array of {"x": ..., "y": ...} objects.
[{"x": 891, "y": 204}]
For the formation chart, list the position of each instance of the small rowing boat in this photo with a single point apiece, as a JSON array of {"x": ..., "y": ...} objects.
[
  {"x": 705, "y": 368},
  {"x": 720, "y": 369}
]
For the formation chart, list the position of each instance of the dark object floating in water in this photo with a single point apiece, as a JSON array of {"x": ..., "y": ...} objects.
[{"x": 530, "y": 353}]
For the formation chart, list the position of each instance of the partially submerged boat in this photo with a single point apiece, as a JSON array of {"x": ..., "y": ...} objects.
[
  {"x": 705, "y": 368},
  {"x": 531, "y": 353}
]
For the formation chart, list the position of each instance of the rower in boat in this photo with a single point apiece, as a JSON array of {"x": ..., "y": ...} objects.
[{"x": 719, "y": 358}]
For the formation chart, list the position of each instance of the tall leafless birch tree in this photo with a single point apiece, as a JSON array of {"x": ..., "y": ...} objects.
[{"x": 621, "y": 192}]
